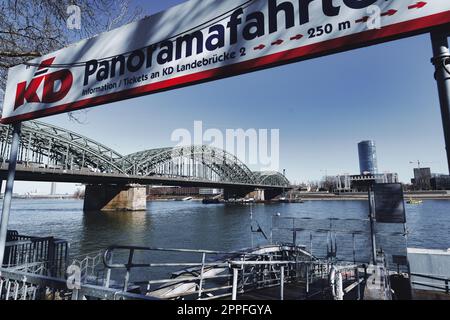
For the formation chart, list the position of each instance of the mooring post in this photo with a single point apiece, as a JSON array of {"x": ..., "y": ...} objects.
[
  {"x": 9, "y": 188},
  {"x": 441, "y": 61}
]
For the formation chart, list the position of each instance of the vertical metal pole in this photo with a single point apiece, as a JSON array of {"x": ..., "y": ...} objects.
[
  {"x": 372, "y": 227},
  {"x": 108, "y": 271},
  {"x": 235, "y": 283},
  {"x": 441, "y": 61},
  {"x": 358, "y": 287},
  {"x": 271, "y": 232},
  {"x": 354, "y": 249},
  {"x": 251, "y": 224},
  {"x": 294, "y": 233},
  {"x": 307, "y": 279},
  {"x": 282, "y": 283},
  {"x": 9, "y": 188},
  {"x": 200, "y": 287}
]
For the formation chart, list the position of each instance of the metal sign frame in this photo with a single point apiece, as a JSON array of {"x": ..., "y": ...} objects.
[
  {"x": 389, "y": 203},
  {"x": 150, "y": 56},
  {"x": 441, "y": 60}
]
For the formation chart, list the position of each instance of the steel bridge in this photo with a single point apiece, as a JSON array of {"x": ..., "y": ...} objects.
[{"x": 50, "y": 153}]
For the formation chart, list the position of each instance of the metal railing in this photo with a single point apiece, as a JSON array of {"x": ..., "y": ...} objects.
[
  {"x": 91, "y": 267},
  {"x": 236, "y": 273},
  {"x": 445, "y": 287},
  {"x": 253, "y": 275},
  {"x": 198, "y": 271},
  {"x": 201, "y": 279},
  {"x": 24, "y": 286},
  {"x": 23, "y": 250},
  {"x": 306, "y": 273}
]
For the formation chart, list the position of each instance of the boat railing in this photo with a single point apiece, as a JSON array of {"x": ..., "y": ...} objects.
[
  {"x": 25, "y": 286},
  {"x": 108, "y": 260},
  {"x": 349, "y": 231},
  {"x": 236, "y": 272},
  {"x": 437, "y": 283},
  {"x": 91, "y": 267},
  {"x": 305, "y": 272}
]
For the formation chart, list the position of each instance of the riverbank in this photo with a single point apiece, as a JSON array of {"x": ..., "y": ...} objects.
[{"x": 421, "y": 195}]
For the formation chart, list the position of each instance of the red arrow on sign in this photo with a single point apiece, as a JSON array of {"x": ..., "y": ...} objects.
[
  {"x": 297, "y": 37},
  {"x": 389, "y": 13},
  {"x": 363, "y": 19},
  {"x": 260, "y": 47},
  {"x": 277, "y": 43},
  {"x": 418, "y": 5}
]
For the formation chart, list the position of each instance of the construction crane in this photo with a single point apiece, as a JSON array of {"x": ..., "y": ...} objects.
[
  {"x": 418, "y": 163},
  {"x": 414, "y": 162}
]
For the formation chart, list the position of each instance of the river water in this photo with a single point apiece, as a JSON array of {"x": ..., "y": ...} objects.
[{"x": 192, "y": 225}]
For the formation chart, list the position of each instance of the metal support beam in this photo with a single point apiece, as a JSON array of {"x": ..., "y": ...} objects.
[
  {"x": 372, "y": 226},
  {"x": 441, "y": 61},
  {"x": 282, "y": 283},
  {"x": 235, "y": 284},
  {"x": 9, "y": 188}
]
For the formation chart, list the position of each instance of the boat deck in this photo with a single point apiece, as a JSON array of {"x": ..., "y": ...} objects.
[
  {"x": 291, "y": 292},
  {"x": 297, "y": 291}
]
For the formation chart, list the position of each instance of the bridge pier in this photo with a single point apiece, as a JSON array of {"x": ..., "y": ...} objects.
[
  {"x": 107, "y": 197},
  {"x": 235, "y": 193},
  {"x": 270, "y": 194},
  {"x": 258, "y": 194}
]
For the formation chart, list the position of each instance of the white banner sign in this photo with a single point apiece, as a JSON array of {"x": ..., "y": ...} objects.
[{"x": 204, "y": 40}]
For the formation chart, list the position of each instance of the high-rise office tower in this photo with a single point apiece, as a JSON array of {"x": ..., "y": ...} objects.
[{"x": 368, "y": 157}]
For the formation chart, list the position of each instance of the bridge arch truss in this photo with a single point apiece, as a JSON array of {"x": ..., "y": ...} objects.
[
  {"x": 47, "y": 146},
  {"x": 200, "y": 162}
]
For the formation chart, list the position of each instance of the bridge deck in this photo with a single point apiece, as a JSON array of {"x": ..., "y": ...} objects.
[{"x": 89, "y": 177}]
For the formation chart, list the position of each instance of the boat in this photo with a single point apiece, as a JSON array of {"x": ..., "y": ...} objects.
[
  {"x": 210, "y": 201},
  {"x": 283, "y": 200},
  {"x": 288, "y": 200},
  {"x": 414, "y": 201},
  {"x": 184, "y": 283}
]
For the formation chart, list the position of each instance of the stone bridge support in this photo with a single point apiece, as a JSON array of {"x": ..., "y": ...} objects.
[
  {"x": 270, "y": 194},
  {"x": 107, "y": 197},
  {"x": 258, "y": 195},
  {"x": 237, "y": 193}
]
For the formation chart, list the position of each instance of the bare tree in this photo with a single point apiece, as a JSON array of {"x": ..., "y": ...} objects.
[
  {"x": 32, "y": 28},
  {"x": 328, "y": 183}
]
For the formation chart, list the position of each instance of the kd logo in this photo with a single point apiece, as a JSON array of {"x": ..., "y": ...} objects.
[{"x": 56, "y": 86}]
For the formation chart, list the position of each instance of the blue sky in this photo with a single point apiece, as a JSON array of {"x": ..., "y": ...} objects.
[{"x": 323, "y": 108}]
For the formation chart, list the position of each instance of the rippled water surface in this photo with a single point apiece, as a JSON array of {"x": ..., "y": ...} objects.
[{"x": 227, "y": 227}]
